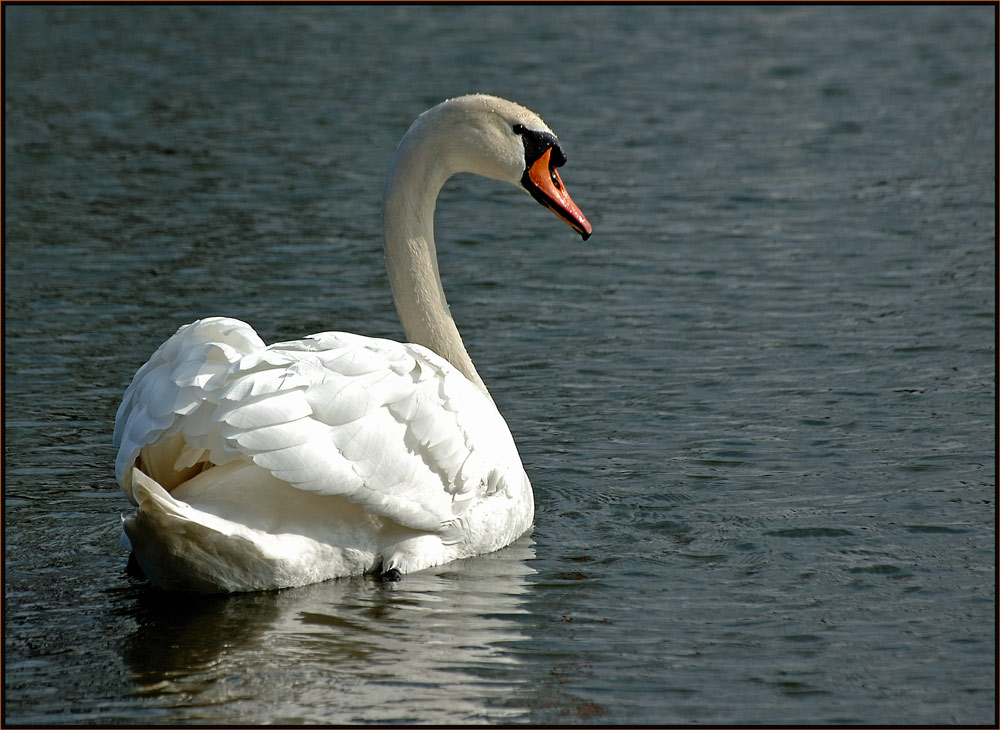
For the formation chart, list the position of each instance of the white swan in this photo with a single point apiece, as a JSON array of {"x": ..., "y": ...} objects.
[{"x": 255, "y": 467}]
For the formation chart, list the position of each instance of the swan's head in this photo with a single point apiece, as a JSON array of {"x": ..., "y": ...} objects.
[{"x": 496, "y": 138}]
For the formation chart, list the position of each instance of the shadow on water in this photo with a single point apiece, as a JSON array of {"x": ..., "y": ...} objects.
[{"x": 442, "y": 640}]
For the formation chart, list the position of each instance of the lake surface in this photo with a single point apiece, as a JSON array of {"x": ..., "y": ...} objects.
[{"x": 758, "y": 407}]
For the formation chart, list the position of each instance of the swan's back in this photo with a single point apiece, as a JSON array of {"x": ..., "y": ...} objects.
[{"x": 367, "y": 430}]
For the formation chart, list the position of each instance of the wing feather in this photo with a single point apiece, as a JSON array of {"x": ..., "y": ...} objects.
[
  {"x": 391, "y": 427},
  {"x": 268, "y": 410}
]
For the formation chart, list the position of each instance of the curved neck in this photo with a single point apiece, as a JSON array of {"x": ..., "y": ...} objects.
[{"x": 418, "y": 173}]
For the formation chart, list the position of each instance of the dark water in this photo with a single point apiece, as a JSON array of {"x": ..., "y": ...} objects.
[{"x": 758, "y": 407}]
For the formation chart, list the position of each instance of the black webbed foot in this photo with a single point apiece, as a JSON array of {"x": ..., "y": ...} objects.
[{"x": 391, "y": 575}]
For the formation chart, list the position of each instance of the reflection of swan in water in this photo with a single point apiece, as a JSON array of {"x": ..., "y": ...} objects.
[{"x": 434, "y": 648}]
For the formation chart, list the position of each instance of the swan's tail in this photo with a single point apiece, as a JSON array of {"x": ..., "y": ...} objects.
[
  {"x": 182, "y": 548},
  {"x": 264, "y": 545}
]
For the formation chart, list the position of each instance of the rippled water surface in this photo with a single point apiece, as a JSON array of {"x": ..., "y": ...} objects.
[{"x": 758, "y": 406}]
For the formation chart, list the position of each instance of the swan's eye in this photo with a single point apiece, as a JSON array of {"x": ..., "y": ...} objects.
[{"x": 537, "y": 144}]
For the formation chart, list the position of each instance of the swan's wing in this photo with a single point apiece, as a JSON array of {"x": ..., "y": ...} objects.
[
  {"x": 176, "y": 383},
  {"x": 391, "y": 427}
]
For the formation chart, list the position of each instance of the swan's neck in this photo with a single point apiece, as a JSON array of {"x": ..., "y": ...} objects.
[{"x": 417, "y": 176}]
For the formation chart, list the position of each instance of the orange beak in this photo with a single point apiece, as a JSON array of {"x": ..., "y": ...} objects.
[{"x": 547, "y": 188}]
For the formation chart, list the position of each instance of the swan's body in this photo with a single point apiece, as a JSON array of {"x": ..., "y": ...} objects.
[{"x": 255, "y": 467}]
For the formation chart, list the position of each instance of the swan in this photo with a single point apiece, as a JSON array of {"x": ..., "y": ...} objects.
[{"x": 255, "y": 467}]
